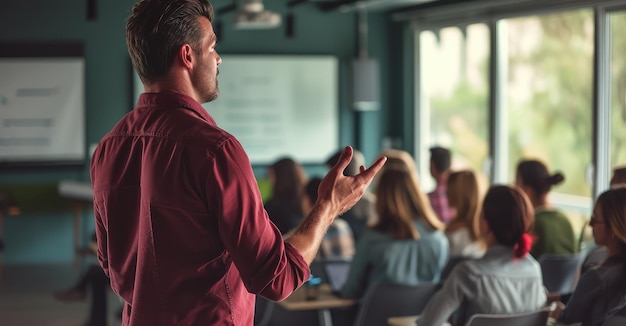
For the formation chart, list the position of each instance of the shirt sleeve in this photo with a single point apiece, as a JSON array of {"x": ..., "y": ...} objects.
[
  {"x": 101, "y": 240},
  {"x": 448, "y": 299},
  {"x": 585, "y": 293},
  {"x": 267, "y": 265}
]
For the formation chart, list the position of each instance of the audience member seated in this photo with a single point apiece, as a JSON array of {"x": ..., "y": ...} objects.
[
  {"x": 97, "y": 282},
  {"x": 338, "y": 242},
  {"x": 463, "y": 231},
  {"x": 284, "y": 207},
  {"x": 363, "y": 213},
  {"x": 506, "y": 280},
  {"x": 406, "y": 245},
  {"x": 553, "y": 231},
  {"x": 619, "y": 176},
  {"x": 440, "y": 161},
  {"x": 601, "y": 291}
]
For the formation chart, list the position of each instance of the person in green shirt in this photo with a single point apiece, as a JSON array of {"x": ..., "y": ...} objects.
[{"x": 552, "y": 230}]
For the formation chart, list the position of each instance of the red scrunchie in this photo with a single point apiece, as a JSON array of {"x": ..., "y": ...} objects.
[{"x": 523, "y": 245}]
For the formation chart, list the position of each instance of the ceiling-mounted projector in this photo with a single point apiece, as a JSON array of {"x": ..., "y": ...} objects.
[{"x": 252, "y": 15}]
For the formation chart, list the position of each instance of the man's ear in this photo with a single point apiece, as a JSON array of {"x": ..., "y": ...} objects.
[{"x": 185, "y": 55}]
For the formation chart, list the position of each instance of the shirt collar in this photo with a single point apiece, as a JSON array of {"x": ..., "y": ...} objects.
[
  {"x": 171, "y": 99},
  {"x": 499, "y": 251}
]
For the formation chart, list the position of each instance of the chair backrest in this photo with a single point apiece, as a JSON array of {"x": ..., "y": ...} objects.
[
  {"x": 615, "y": 321},
  {"x": 560, "y": 272},
  {"x": 618, "y": 319},
  {"x": 270, "y": 313},
  {"x": 534, "y": 318},
  {"x": 382, "y": 301}
]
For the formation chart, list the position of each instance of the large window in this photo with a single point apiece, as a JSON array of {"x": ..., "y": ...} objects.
[
  {"x": 537, "y": 103},
  {"x": 455, "y": 89},
  {"x": 549, "y": 94},
  {"x": 618, "y": 90},
  {"x": 549, "y": 102}
]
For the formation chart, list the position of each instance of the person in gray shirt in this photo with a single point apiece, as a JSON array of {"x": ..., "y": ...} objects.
[{"x": 506, "y": 279}]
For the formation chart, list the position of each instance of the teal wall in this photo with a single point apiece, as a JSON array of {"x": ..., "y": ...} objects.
[{"x": 39, "y": 236}]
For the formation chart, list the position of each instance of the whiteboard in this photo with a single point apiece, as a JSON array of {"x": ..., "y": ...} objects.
[
  {"x": 42, "y": 110},
  {"x": 278, "y": 105}
]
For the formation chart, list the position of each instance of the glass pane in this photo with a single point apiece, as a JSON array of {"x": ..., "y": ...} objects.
[
  {"x": 455, "y": 85},
  {"x": 549, "y": 101},
  {"x": 618, "y": 90}
]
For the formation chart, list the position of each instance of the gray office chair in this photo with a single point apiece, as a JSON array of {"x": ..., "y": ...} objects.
[
  {"x": 560, "y": 272},
  {"x": 270, "y": 313},
  {"x": 534, "y": 318},
  {"x": 382, "y": 301},
  {"x": 615, "y": 321},
  {"x": 618, "y": 319}
]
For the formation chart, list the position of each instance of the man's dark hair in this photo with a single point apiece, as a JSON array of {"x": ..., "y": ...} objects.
[
  {"x": 440, "y": 157},
  {"x": 156, "y": 29}
]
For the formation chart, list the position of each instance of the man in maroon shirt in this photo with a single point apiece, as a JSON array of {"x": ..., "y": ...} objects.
[{"x": 181, "y": 228}]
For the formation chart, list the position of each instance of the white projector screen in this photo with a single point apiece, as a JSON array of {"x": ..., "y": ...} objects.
[
  {"x": 42, "y": 118},
  {"x": 278, "y": 105}
]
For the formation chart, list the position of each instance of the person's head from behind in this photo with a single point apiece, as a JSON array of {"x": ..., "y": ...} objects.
[
  {"x": 619, "y": 176},
  {"x": 162, "y": 34},
  {"x": 464, "y": 197},
  {"x": 287, "y": 178},
  {"x": 399, "y": 199},
  {"x": 533, "y": 177},
  {"x": 309, "y": 196},
  {"x": 353, "y": 167},
  {"x": 440, "y": 161},
  {"x": 609, "y": 220},
  {"x": 507, "y": 216}
]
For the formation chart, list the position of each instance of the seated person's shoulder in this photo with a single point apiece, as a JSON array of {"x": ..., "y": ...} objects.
[{"x": 341, "y": 225}]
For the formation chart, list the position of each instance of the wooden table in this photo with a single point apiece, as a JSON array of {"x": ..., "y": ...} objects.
[
  {"x": 406, "y": 321},
  {"x": 402, "y": 321},
  {"x": 325, "y": 301}
]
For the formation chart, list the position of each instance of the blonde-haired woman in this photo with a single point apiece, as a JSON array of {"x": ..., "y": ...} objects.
[
  {"x": 406, "y": 245},
  {"x": 463, "y": 231}
]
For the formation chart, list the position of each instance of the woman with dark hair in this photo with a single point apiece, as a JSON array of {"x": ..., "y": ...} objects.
[
  {"x": 406, "y": 245},
  {"x": 553, "y": 231},
  {"x": 506, "y": 280},
  {"x": 284, "y": 207},
  {"x": 463, "y": 232},
  {"x": 601, "y": 291}
]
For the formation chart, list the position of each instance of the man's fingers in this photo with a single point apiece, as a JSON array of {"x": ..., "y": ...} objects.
[
  {"x": 373, "y": 170},
  {"x": 344, "y": 159}
]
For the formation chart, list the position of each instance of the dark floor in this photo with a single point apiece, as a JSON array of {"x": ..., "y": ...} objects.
[{"x": 26, "y": 297}]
